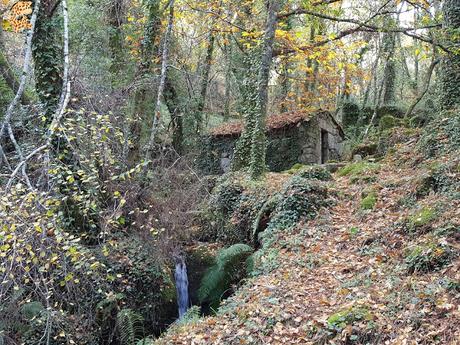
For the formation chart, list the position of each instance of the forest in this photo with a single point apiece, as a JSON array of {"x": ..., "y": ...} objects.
[{"x": 229, "y": 172}]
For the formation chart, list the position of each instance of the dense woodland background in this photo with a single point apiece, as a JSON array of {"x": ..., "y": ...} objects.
[{"x": 105, "y": 110}]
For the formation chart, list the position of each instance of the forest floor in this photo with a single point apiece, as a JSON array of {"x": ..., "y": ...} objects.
[{"x": 354, "y": 276}]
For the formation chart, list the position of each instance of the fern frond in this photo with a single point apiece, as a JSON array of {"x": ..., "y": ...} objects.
[
  {"x": 227, "y": 269},
  {"x": 129, "y": 325}
]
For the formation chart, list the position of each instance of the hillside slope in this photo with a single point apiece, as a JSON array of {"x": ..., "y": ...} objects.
[{"x": 380, "y": 266}]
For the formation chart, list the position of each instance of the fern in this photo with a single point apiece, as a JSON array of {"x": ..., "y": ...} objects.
[
  {"x": 192, "y": 315},
  {"x": 145, "y": 341},
  {"x": 129, "y": 325},
  {"x": 227, "y": 269}
]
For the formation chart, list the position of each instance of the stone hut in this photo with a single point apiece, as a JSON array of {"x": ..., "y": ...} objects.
[{"x": 296, "y": 137}]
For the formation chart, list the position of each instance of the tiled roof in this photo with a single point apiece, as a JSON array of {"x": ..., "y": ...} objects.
[{"x": 273, "y": 122}]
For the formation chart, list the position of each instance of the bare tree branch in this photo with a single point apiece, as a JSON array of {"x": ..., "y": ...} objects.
[{"x": 25, "y": 70}]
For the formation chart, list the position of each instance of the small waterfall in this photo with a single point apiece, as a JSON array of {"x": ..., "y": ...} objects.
[{"x": 181, "y": 278}]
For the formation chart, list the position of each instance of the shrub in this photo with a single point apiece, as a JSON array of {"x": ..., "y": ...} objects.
[
  {"x": 300, "y": 198},
  {"x": 226, "y": 196}
]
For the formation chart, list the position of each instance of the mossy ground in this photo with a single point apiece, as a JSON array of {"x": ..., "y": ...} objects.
[{"x": 358, "y": 271}]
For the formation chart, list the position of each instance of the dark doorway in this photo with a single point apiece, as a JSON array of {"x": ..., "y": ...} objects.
[{"x": 324, "y": 146}]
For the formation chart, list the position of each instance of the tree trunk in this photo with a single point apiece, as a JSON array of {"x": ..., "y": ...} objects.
[
  {"x": 204, "y": 82},
  {"x": 173, "y": 103},
  {"x": 7, "y": 72},
  {"x": 429, "y": 74},
  {"x": 142, "y": 98},
  {"x": 450, "y": 68},
  {"x": 389, "y": 73},
  {"x": 259, "y": 144},
  {"x": 47, "y": 55},
  {"x": 116, "y": 19},
  {"x": 164, "y": 68}
]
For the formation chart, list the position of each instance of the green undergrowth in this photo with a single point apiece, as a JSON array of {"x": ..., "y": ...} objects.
[
  {"x": 428, "y": 256},
  {"x": 442, "y": 135},
  {"x": 363, "y": 171},
  {"x": 421, "y": 219},
  {"x": 245, "y": 215},
  {"x": 369, "y": 200},
  {"x": 229, "y": 268},
  {"x": 314, "y": 172}
]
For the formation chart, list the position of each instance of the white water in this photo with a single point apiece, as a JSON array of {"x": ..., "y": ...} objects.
[{"x": 181, "y": 278}]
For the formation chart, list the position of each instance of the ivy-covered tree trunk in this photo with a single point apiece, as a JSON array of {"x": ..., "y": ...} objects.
[
  {"x": 172, "y": 101},
  {"x": 143, "y": 97},
  {"x": 248, "y": 89},
  {"x": 450, "y": 68},
  {"x": 204, "y": 82},
  {"x": 47, "y": 54},
  {"x": 116, "y": 17},
  {"x": 389, "y": 73},
  {"x": 259, "y": 142}
]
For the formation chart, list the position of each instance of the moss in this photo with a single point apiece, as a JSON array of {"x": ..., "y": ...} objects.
[
  {"x": 422, "y": 218},
  {"x": 388, "y": 122},
  {"x": 365, "y": 149},
  {"x": 295, "y": 168},
  {"x": 359, "y": 169},
  {"x": 349, "y": 316},
  {"x": 369, "y": 201}
]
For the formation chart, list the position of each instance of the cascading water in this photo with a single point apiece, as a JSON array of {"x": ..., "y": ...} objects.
[{"x": 181, "y": 278}]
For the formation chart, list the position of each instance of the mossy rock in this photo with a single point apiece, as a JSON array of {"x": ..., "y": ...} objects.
[
  {"x": 388, "y": 122},
  {"x": 295, "y": 168},
  {"x": 360, "y": 172},
  {"x": 442, "y": 135},
  {"x": 365, "y": 149},
  {"x": 441, "y": 178}
]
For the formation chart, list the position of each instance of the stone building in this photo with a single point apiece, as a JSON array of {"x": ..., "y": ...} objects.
[{"x": 300, "y": 137}]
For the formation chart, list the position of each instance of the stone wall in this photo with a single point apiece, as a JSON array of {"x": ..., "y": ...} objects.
[{"x": 300, "y": 143}]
